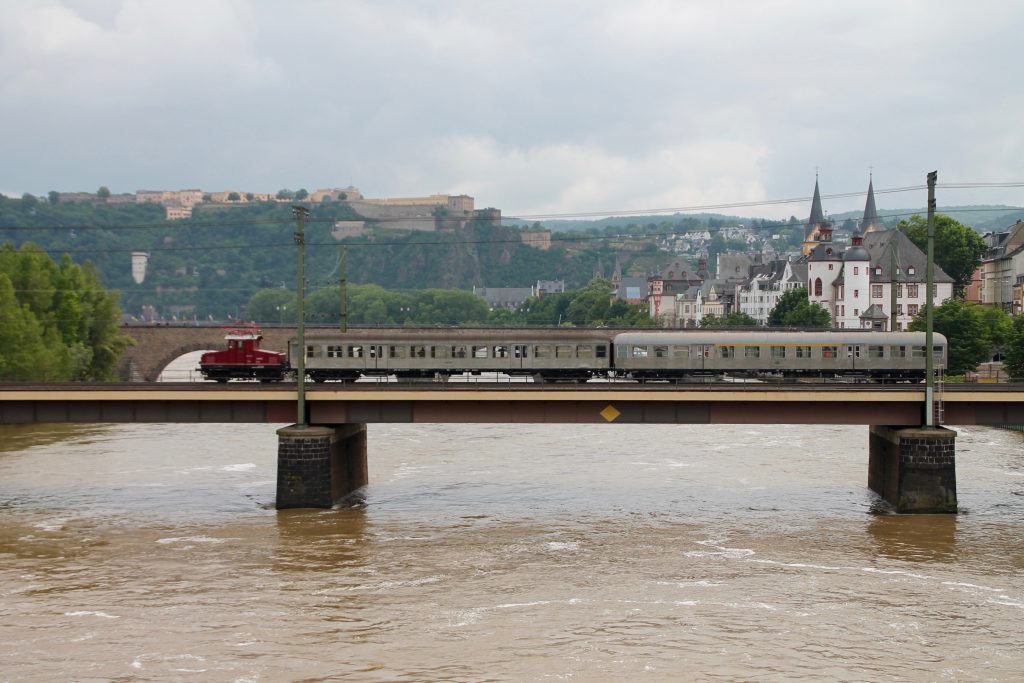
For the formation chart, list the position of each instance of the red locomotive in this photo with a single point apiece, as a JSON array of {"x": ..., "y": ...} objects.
[{"x": 244, "y": 359}]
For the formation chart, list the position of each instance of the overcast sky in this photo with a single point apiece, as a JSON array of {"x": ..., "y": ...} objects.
[{"x": 532, "y": 107}]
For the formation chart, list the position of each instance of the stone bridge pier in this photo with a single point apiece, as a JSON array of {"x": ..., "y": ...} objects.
[
  {"x": 913, "y": 468},
  {"x": 318, "y": 465}
]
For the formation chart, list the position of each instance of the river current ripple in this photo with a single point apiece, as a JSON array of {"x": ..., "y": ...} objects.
[{"x": 504, "y": 552}]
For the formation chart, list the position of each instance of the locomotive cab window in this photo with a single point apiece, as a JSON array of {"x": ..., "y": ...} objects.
[
  {"x": 335, "y": 351},
  {"x": 751, "y": 351}
]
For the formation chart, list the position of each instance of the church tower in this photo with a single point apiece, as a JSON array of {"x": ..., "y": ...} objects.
[
  {"x": 817, "y": 229},
  {"x": 871, "y": 223}
]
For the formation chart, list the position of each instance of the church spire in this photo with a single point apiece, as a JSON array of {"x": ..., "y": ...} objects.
[
  {"x": 817, "y": 215},
  {"x": 870, "y": 222}
]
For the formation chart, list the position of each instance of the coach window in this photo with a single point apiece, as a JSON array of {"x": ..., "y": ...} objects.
[
  {"x": 939, "y": 351},
  {"x": 778, "y": 352},
  {"x": 917, "y": 352},
  {"x": 602, "y": 351},
  {"x": 751, "y": 351},
  {"x": 542, "y": 351},
  {"x": 639, "y": 352},
  {"x": 418, "y": 351},
  {"x": 398, "y": 351},
  {"x": 459, "y": 351},
  {"x": 680, "y": 351},
  {"x": 563, "y": 351},
  {"x": 621, "y": 351},
  {"x": 479, "y": 352},
  {"x": 829, "y": 351},
  {"x": 726, "y": 351},
  {"x": 440, "y": 352},
  {"x": 355, "y": 351},
  {"x": 584, "y": 351},
  {"x": 335, "y": 352},
  {"x": 311, "y": 352},
  {"x": 376, "y": 350},
  {"x": 501, "y": 352},
  {"x": 661, "y": 352},
  {"x": 520, "y": 351},
  {"x": 899, "y": 352},
  {"x": 803, "y": 351},
  {"x": 876, "y": 352}
]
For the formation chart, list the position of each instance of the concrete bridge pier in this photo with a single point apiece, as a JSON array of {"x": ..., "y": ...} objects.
[
  {"x": 318, "y": 465},
  {"x": 914, "y": 468}
]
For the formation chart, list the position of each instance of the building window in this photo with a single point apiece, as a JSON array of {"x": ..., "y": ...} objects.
[
  {"x": 817, "y": 287},
  {"x": 856, "y": 270},
  {"x": 899, "y": 291},
  {"x": 912, "y": 291},
  {"x": 912, "y": 309},
  {"x": 856, "y": 311},
  {"x": 876, "y": 291},
  {"x": 878, "y": 270},
  {"x": 911, "y": 270},
  {"x": 899, "y": 309},
  {"x": 856, "y": 293}
]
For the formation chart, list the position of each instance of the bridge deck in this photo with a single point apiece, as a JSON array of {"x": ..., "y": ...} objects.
[{"x": 468, "y": 402}]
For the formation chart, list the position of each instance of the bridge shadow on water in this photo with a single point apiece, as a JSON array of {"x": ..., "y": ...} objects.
[{"x": 914, "y": 538}]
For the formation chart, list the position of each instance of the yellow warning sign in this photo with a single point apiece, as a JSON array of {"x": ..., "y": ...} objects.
[{"x": 610, "y": 413}]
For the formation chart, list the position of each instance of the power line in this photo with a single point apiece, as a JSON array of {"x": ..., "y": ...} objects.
[{"x": 611, "y": 213}]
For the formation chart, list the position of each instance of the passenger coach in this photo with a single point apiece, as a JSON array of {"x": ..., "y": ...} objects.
[{"x": 670, "y": 355}]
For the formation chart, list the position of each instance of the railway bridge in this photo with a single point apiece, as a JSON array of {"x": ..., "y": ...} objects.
[{"x": 318, "y": 464}]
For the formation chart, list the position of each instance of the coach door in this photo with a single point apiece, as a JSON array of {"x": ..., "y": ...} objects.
[
  {"x": 375, "y": 357},
  {"x": 519, "y": 356},
  {"x": 853, "y": 354},
  {"x": 707, "y": 352}
]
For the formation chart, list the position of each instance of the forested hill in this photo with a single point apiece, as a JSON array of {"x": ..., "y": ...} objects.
[{"x": 214, "y": 262}]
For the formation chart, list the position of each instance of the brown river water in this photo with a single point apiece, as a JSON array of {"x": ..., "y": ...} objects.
[{"x": 504, "y": 552}]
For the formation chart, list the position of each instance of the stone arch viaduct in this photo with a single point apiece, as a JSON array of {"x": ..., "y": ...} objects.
[{"x": 154, "y": 346}]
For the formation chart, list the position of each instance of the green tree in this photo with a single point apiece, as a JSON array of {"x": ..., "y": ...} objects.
[
  {"x": 958, "y": 248},
  {"x": 53, "y": 196},
  {"x": 734, "y": 319},
  {"x": 967, "y": 334},
  {"x": 103, "y": 192},
  {"x": 301, "y": 194},
  {"x": 285, "y": 194},
  {"x": 795, "y": 310},
  {"x": 249, "y": 196},
  {"x": 273, "y": 306},
  {"x": 1013, "y": 358},
  {"x": 234, "y": 196}
]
